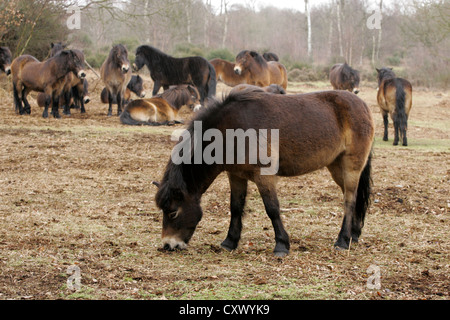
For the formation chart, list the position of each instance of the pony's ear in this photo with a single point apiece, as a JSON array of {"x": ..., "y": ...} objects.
[
  {"x": 156, "y": 183},
  {"x": 391, "y": 68},
  {"x": 378, "y": 70},
  {"x": 52, "y": 45},
  {"x": 254, "y": 54},
  {"x": 192, "y": 89}
]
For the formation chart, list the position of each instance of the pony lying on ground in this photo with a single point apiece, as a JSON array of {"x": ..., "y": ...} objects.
[
  {"x": 273, "y": 88},
  {"x": 162, "y": 109},
  {"x": 394, "y": 98},
  {"x": 332, "y": 129},
  {"x": 225, "y": 73},
  {"x": 260, "y": 72},
  {"x": 167, "y": 71},
  {"x": 136, "y": 85},
  {"x": 29, "y": 74},
  {"x": 343, "y": 77}
]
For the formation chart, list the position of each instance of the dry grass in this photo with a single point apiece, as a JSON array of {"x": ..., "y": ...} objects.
[{"x": 78, "y": 192}]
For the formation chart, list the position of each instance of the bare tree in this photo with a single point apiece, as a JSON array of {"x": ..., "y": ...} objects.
[{"x": 308, "y": 19}]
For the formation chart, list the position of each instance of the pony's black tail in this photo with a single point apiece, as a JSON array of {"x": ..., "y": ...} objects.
[
  {"x": 126, "y": 119},
  {"x": 212, "y": 83},
  {"x": 364, "y": 192},
  {"x": 400, "y": 118}
]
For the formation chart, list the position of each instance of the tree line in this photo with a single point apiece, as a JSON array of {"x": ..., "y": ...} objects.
[{"x": 310, "y": 41}]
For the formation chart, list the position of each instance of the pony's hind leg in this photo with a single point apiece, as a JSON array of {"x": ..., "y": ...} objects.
[
  {"x": 55, "y": 106},
  {"x": 110, "y": 99},
  {"x": 27, "y": 107},
  {"x": 237, "y": 203},
  {"x": 267, "y": 188},
  {"x": 18, "y": 106},
  {"x": 386, "y": 125}
]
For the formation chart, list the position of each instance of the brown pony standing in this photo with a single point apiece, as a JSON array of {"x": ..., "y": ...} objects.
[
  {"x": 116, "y": 74},
  {"x": 225, "y": 72},
  {"x": 394, "y": 98},
  {"x": 76, "y": 91},
  {"x": 261, "y": 73},
  {"x": 5, "y": 60},
  {"x": 332, "y": 129},
  {"x": 49, "y": 77},
  {"x": 163, "y": 108}
]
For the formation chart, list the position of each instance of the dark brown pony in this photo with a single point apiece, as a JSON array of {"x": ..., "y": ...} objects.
[
  {"x": 75, "y": 92},
  {"x": 261, "y": 73},
  {"x": 270, "y": 56},
  {"x": 394, "y": 98},
  {"x": 332, "y": 129},
  {"x": 225, "y": 73},
  {"x": 344, "y": 77},
  {"x": 163, "y": 108},
  {"x": 167, "y": 71},
  {"x": 5, "y": 60},
  {"x": 136, "y": 85},
  {"x": 49, "y": 77},
  {"x": 116, "y": 74},
  {"x": 273, "y": 88}
]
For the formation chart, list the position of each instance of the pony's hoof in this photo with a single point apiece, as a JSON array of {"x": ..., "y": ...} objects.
[
  {"x": 228, "y": 245},
  {"x": 280, "y": 254}
]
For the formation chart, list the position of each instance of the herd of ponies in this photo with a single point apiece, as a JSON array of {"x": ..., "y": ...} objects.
[{"x": 332, "y": 129}]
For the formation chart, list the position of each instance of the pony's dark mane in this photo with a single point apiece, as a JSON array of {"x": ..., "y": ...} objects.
[
  {"x": 348, "y": 71},
  {"x": 256, "y": 56},
  {"x": 185, "y": 179}
]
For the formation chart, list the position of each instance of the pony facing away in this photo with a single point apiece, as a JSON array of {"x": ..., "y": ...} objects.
[
  {"x": 163, "y": 108},
  {"x": 49, "y": 77},
  {"x": 343, "y": 77},
  {"x": 116, "y": 74},
  {"x": 136, "y": 85},
  {"x": 394, "y": 98},
  {"x": 260, "y": 72},
  {"x": 332, "y": 129},
  {"x": 5, "y": 60},
  {"x": 167, "y": 71}
]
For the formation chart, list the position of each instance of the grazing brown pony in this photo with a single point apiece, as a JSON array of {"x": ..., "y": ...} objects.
[
  {"x": 163, "y": 108},
  {"x": 273, "y": 88},
  {"x": 5, "y": 60},
  {"x": 394, "y": 98},
  {"x": 49, "y": 77},
  {"x": 343, "y": 77},
  {"x": 136, "y": 85},
  {"x": 225, "y": 73},
  {"x": 116, "y": 74},
  {"x": 332, "y": 129},
  {"x": 260, "y": 72}
]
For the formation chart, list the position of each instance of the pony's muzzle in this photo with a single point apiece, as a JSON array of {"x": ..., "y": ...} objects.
[
  {"x": 8, "y": 71},
  {"x": 82, "y": 75},
  {"x": 87, "y": 99},
  {"x": 125, "y": 68},
  {"x": 238, "y": 70},
  {"x": 172, "y": 244},
  {"x": 143, "y": 95},
  {"x": 197, "y": 108},
  {"x": 356, "y": 90}
]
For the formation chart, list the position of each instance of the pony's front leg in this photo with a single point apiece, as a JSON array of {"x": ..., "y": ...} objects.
[
  {"x": 156, "y": 87},
  {"x": 110, "y": 99},
  {"x": 47, "y": 103},
  {"x": 67, "y": 98},
  {"x": 267, "y": 188},
  {"x": 55, "y": 106},
  {"x": 120, "y": 103},
  {"x": 237, "y": 203}
]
